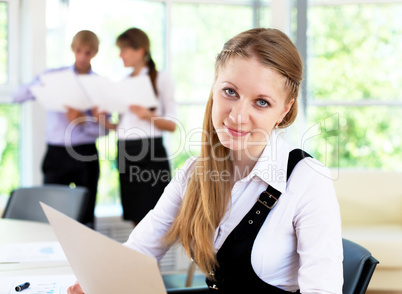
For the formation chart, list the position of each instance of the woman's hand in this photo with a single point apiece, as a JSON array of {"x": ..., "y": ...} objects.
[
  {"x": 75, "y": 289},
  {"x": 98, "y": 114},
  {"x": 141, "y": 112},
  {"x": 159, "y": 122},
  {"x": 102, "y": 118}
]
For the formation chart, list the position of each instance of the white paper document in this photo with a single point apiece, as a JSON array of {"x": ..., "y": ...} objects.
[
  {"x": 64, "y": 88},
  {"x": 102, "y": 265},
  {"x": 59, "y": 90},
  {"x": 31, "y": 252},
  {"x": 113, "y": 96},
  {"x": 53, "y": 284}
]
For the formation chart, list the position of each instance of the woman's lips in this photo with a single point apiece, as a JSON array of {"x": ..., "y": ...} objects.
[{"x": 236, "y": 133}]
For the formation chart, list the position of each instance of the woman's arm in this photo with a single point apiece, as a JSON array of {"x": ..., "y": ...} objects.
[
  {"x": 318, "y": 229},
  {"x": 147, "y": 235},
  {"x": 159, "y": 122}
]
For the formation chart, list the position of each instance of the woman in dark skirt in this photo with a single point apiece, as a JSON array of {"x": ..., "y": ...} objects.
[
  {"x": 143, "y": 177},
  {"x": 142, "y": 160}
]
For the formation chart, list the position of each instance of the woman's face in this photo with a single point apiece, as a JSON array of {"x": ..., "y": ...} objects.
[
  {"x": 248, "y": 100},
  {"x": 132, "y": 57}
]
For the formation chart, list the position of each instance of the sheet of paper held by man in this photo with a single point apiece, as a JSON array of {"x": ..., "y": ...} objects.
[
  {"x": 60, "y": 89},
  {"x": 114, "y": 96},
  {"x": 102, "y": 265}
]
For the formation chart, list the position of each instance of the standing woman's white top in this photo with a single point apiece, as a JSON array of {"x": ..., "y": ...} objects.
[{"x": 131, "y": 127}]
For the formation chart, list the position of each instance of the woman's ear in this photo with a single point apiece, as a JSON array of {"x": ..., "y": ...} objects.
[
  {"x": 288, "y": 106},
  {"x": 139, "y": 52}
]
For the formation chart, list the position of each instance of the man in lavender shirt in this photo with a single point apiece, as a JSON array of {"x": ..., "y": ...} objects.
[{"x": 71, "y": 155}]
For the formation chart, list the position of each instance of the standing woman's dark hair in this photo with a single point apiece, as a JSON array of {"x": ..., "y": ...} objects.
[{"x": 138, "y": 39}]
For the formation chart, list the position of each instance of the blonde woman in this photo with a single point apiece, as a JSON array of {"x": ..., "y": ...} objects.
[{"x": 250, "y": 224}]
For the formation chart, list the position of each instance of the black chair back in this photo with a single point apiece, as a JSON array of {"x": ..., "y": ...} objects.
[
  {"x": 23, "y": 203},
  {"x": 358, "y": 267}
]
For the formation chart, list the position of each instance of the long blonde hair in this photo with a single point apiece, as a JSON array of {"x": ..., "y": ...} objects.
[{"x": 206, "y": 199}]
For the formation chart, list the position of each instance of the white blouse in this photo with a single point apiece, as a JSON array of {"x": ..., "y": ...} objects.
[
  {"x": 131, "y": 127},
  {"x": 300, "y": 244}
]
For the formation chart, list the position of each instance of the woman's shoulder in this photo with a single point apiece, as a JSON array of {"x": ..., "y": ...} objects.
[
  {"x": 188, "y": 166},
  {"x": 183, "y": 174},
  {"x": 309, "y": 171},
  {"x": 311, "y": 167},
  {"x": 312, "y": 181},
  {"x": 164, "y": 77}
]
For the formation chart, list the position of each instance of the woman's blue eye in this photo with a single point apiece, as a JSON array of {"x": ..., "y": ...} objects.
[
  {"x": 230, "y": 92},
  {"x": 262, "y": 103}
]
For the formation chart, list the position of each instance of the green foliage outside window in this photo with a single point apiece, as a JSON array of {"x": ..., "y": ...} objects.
[
  {"x": 353, "y": 57},
  {"x": 357, "y": 137},
  {"x": 9, "y": 147},
  {"x": 3, "y": 43},
  {"x": 198, "y": 34}
]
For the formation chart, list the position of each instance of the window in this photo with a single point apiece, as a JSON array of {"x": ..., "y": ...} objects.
[
  {"x": 185, "y": 38},
  {"x": 9, "y": 113},
  {"x": 354, "y": 82},
  {"x": 198, "y": 33},
  {"x": 353, "y": 77},
  {"x": 3, "y": 43},
  {"x": 108, "y": 22},
  {"x": 9, "y": 148}
]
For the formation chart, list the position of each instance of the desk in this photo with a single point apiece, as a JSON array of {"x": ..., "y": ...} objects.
[
  {"x": 12, "y": 231},
  {"x": 18, "y": 231}
]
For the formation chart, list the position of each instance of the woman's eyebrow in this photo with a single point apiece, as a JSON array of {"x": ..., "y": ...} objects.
[{"x": 227, "y": 82}]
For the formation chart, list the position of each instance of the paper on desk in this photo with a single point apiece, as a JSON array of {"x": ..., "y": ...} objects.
[
  {"x": 31, "y": 252},
  {"x": 102, "y": 265},
  {"x": 60, "y": 89},
  {"x": 55, "y": 284},
  {"x": 113, "y": 96}
]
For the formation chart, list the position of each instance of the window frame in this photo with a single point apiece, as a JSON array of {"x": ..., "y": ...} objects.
[
  {"x": 309, "y": 104},
  {"x": 12, "y": 50}
]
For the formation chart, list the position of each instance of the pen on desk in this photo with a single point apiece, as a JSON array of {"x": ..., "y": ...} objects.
[{"x": 22, "y": 287}]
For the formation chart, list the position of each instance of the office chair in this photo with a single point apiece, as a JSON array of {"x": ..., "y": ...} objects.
[
  {"x": 191, "y": 290},
  {"x": 23, "y": 203},
  {"x": 175, "y": 284},
  {"x": 186, "y": 283},
  {"x": 358, "y": 267}
]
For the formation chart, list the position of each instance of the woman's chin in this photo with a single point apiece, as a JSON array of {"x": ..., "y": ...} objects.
[{"x": 232, "y": 145}]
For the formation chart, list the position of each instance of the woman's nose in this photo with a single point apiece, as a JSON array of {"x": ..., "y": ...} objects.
[{"x": 239, "y": 113}]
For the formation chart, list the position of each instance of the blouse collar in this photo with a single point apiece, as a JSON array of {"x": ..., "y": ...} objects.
[{"x": 271, "y": 167}]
